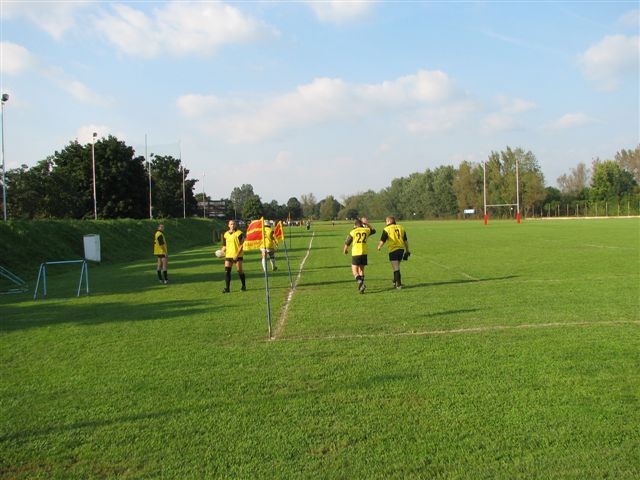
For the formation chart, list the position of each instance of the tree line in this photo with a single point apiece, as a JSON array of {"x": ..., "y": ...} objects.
[{"x": 61, "y": 186}]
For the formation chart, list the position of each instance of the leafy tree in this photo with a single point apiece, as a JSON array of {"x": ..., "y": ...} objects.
[
  {"x": 468, "y": 187},
  {"x": 252, "y": 208},
  {"x": 574, "y": 183},
  {"x": 609, "y": 180},
  {"x": 442, "y": 202},
  {"x": 329, "y": 208},
  {"x": 122, "y": 184},
  {"x": 239, "y": 196},
  {"x": 294, "y": 208},
  {"x": 167, "y": 188},
  {"x": 308, "y": 203},
  {"x": 27, "y": 190},
  {"x": 629, "y": 160}
]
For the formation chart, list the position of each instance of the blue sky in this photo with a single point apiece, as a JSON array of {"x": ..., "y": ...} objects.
[{"x": 330, "y": 98}]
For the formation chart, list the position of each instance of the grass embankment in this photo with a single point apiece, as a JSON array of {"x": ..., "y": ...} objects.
[{"x": 25, "y": 244}]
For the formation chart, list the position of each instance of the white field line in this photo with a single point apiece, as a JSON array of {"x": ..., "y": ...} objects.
[
  {"x": 457, "y": 331},
  {"x": 285, "y": 308},
  {"x": 612, "y": 247},
  {"x": 466, "y": 275}
]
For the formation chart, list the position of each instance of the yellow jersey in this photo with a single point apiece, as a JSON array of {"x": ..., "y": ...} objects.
[
  {"x": 233, "y": 241},
  {"x": 358, "y": 240},
  {"x": 159, "y": 244},
  {"x": 270, "y": 241},
  {"x": 395, "y": 236}
]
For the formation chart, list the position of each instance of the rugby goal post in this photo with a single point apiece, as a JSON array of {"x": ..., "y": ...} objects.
[{"x": 484, "y": 183}]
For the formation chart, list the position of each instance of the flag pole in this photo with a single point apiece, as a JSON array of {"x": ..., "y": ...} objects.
[
  {"x": 266, "y": 278},
  {"x": 286, "y": 254}
]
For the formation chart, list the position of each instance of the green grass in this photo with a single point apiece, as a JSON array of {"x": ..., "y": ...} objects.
[{"x": 513, "y": 352}]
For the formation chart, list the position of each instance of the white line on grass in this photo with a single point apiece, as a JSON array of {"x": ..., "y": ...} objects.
[
  {"x": 465, "y": 330},
  {"x": 285, "y": 308},
  {"x": 450, "y": 269}
]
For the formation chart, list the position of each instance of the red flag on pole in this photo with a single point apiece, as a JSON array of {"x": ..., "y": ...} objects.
[
  {"x": 278, "y": 232},
  {"x": 255, "y": 234}
]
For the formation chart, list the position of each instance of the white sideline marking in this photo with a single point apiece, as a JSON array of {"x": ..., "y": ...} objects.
[
  {"x": 285, "y": 308},
  {"x": 461, "y": 273},
  {"x": 465, "y": 330}
]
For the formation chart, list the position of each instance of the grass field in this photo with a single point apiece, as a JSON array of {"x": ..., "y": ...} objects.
[{"x": 512, "y": 352}]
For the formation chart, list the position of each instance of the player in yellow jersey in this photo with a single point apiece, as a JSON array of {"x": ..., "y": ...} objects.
[
  {"x": 396, "y": 238},
  {"x": 357, "y": 240},
  {"x": 269, "y": 249},
  {"x": 232, "y": 241},
  {"x": 161, "y": 252}
]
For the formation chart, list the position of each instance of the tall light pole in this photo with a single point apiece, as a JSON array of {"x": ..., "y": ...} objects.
[
  {"x": 93, "y": 167},
  {"x": 5, "y": 98},
  {"x": 204, "y": 200}
]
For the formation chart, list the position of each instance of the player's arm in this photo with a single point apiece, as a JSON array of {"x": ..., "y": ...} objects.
[
  {"x": 241, "y": 246},
  {"x": 347, "y": 243},
  {"x": 383, "y": 238}
]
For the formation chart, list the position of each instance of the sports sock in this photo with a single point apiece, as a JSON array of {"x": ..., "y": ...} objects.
[
  {"x": 165, "y": 275},
  {"x": 242, "y": 279},
  {"x": 159, "y": 275},
  {"x": 227, "y": 277},
  {"x": 264, "y": 264}
]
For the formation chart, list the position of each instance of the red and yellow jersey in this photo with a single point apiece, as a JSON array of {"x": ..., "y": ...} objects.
[
  {"x": 233, "y": 241},
  {"x": 159, "y": 244},
  {"x": 358, "y": 240},
  {"x": 395, "y": 236}
]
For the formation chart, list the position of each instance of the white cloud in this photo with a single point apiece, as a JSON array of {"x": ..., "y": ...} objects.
[
  {"x": 515, "y": 105},
  {"x": 441, "y": 119},
  {"x": 499, "y": 121},
  {"x": 339, "y": 11},
  {"x": 631, "y": 19},
  {"x": 179, "y": 28},
  {"x": 55, "y": 18},
  {"x": 571, "y": 120},
  {"x": 194, "y": 105},
  {"x": 505, "y": 118},
  {"x": 323, "y": 100},
  {"x": 15, "y": 58},
  {"x": 609, "y": 60}
]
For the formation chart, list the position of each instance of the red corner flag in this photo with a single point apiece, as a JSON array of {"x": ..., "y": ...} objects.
[
  {"x": 278, "y": 232},
  {"x": 255, "y": 234}
]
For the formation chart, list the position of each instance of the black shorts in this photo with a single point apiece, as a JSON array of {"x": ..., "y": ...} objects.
[
  {"x": 359, "y": 260},
  {"x": 396, "y": 255},
  {"x": 161, "y": 255},
  {"x": 231, "y": 260}
]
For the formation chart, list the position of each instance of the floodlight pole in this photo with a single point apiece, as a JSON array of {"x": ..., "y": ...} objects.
[
  {"x": 5, "y": 98},
  {"x": 204, "y": 199},
  {"x": 93, "y": 170},
  {"x": 484, "y": 189},
  {"x": 517, "y": 193},
  {"x": 148, "y": 168},
  {"x": 184, "y": 202}
]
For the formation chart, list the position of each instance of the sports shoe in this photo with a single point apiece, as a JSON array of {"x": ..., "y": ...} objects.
[
  {"x": 243, "y": 288},
  {"x": 399, "y": 286},
  {"x": 275, "y": 268},
  {"x": 225, "y": 290},
  {"x": 166, "y": 282}
]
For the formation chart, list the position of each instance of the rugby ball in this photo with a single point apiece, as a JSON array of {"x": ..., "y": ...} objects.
[{"x": 219, "y": 254}]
